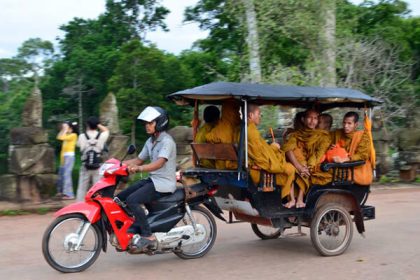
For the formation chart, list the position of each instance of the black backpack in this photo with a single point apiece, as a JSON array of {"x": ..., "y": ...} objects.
[{"x": 92, "y": 155}]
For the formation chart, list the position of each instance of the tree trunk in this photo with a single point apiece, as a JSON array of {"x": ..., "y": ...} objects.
[
  {"x": 80, "y": 103},
  {"x": 253, "y": 42},
  {"x": 133, "y": 132},
  {"x": 327, "y": 43}
]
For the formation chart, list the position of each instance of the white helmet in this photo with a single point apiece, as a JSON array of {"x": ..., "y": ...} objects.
[{"x": 155, "y": 114}]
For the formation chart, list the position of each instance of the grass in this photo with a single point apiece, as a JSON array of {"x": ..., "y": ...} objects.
[
  {"x": 13, "y": 212},
  {"x": 43, "y": 210},
  {"x": 385, "y": 179},
  {"x": 20, "y": 212}
]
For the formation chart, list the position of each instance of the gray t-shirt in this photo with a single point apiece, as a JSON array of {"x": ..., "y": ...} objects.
[{"x": 164, "y": 178}]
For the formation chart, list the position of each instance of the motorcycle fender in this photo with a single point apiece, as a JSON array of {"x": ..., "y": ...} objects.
[
  {"x": 211, "y": 204},
  {"x": 91, "y": 210}
]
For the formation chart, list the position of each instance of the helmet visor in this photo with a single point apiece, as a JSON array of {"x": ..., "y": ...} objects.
[{"x": 149, "y": 114}]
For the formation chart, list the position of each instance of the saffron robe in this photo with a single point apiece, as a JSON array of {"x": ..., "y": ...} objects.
[
  {"x": 270, "y": 159},
  {"x": 358, "y": 145},
  {"x": 200, "y": 137},
  {"x": 226, "y": 131},
  {"x": 309, "y": 147}
]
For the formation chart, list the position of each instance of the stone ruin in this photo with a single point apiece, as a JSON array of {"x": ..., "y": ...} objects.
[
  {"x": 408, "y": 144},
  {"x": 31, "y": 159},
  {"x": 381, "y": 142},
  {"x": 183, "y": 137},
  {"x": 117, "y": 143}
]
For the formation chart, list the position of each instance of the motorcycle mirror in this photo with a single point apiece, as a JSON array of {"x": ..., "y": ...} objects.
[{"x": 130, "y": 150}]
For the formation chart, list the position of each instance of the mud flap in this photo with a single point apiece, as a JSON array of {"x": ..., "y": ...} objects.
[
  {"x": 211, "y": 204},
  {"x": 358, "y": 220}
]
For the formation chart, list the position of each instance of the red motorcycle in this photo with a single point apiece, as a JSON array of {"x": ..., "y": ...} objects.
[{"x": 74, "y": 240}]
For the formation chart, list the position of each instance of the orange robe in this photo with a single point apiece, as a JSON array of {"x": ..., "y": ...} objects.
[
  {"x": 358, "y": 145},
  {"x": 309, "y": 147},
  {"x": 270, "y": 159},
  {"x": 362, "y": 151},
  {"x": 226, "y": 131},
  {"x": 200, "y": 137}
]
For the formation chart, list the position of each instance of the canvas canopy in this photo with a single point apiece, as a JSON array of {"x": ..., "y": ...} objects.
[{"x": 295, "y": 96}]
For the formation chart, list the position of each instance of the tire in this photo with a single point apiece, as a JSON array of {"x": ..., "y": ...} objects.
[
  {"x": 62, "y": 233},
  {"x": 204, "y": 217},
  {"x": 331, "y": 230},
  {"x": 266, "y": 232}
]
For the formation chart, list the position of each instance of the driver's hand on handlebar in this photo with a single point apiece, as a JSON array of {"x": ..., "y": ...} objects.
[{"x": 134, "y": 169}]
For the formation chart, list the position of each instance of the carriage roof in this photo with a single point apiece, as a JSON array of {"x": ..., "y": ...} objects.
[{"x": 296, "y": 96}]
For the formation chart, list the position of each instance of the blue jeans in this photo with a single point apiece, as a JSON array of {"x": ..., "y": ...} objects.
[{"x": 65, "y": 181}]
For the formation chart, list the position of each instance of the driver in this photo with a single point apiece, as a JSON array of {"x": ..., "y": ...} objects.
[{"x": 160, "y": 148}]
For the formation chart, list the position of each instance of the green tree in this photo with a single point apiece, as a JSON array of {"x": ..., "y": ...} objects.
[
  {"x": 142, "y": 16},
  {"x": 90, "y": 51},
  {"x": 10, "y": 69},
  {"x": 37, "y": 55},
  {"x": 143, "y": 77}
]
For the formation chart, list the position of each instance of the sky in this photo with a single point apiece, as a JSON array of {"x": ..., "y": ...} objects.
[{"x": 24, "y": 19}]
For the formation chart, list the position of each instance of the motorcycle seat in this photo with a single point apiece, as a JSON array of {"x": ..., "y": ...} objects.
[{"x": 178, "y": 195}]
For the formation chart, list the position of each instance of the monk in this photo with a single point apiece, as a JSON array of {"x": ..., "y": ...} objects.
[
  {"x": 226, "y": 130},
  {"x": 325, "y": 122},
  {"x": 267, "y": 157},
  {"x": 297, "y": 124},
  {"x": 356, "y": 143},
  {"x": 211, "y": 117},
  {"x": 304, "y": 149}
]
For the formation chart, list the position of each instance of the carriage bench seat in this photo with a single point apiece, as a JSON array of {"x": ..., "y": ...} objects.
[
  {"x": 211, "y": 175},
  {"x": 343, "y": 173}
]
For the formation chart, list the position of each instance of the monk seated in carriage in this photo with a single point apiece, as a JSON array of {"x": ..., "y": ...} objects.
[
  {"x": 226, "y": 131},
  {"x": 355, "y": 145},
  {"x": 211, "y": 117},
  {"x": 267, "y": 158},
  {"x": 305, "y": 148}
]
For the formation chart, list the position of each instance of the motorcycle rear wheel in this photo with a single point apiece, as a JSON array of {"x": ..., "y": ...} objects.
[
  {"x": 60, "y": 240},
  {"x": 204, "y": 217}
]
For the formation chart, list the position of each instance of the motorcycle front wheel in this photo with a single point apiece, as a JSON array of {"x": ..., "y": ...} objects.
[
  {"x": 62, "y": 248},
  {"x": 204, "y": 217}
]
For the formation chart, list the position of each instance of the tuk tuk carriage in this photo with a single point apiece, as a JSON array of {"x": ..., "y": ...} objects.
[{"x": 330, "y": 209}]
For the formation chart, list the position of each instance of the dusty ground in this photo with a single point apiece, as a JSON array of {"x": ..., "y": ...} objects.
[{"x": 391, "y": 250}]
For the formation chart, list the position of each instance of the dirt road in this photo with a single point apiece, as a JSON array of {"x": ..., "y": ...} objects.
[{"x": 391, "y": 250}]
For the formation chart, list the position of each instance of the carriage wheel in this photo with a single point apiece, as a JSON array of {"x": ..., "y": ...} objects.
[
  {"x": 331, "y": 230},
  {"x": 266, "y": 232}
]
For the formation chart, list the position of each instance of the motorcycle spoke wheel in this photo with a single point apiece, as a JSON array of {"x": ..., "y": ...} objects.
[
  {"x": 59, "y": 244},
  {"x": 203, "y": 217},
  {"x": 331, "y": 230}
]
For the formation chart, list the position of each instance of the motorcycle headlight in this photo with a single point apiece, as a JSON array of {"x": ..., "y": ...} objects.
[{"x": 104, "y": 167}]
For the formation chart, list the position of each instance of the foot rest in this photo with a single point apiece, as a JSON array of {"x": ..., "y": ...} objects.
[{"x": 368, "y": 212}]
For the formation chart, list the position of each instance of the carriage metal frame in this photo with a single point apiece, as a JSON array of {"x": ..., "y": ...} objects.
[{"x": 330, "y": 209}]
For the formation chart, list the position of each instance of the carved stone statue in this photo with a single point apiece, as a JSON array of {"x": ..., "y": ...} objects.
[
  {"x": 109, "y": 113},
  {"x": 32, "y": 111},
  {"x": 117, "y": 143}
]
